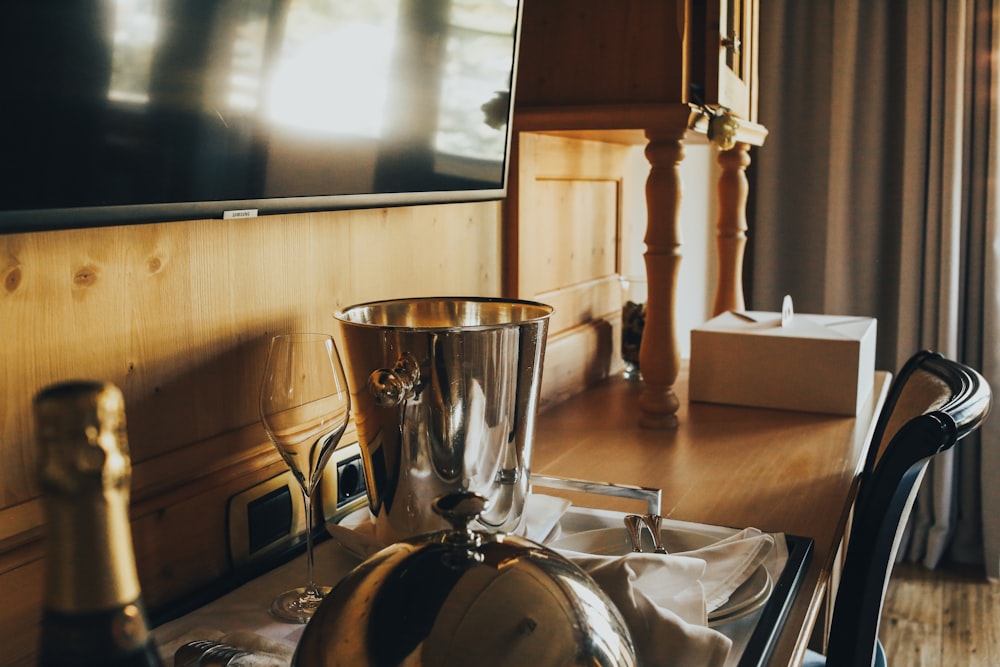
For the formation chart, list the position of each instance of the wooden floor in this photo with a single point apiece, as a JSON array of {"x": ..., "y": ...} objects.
[{"x": 941, "y": 618}]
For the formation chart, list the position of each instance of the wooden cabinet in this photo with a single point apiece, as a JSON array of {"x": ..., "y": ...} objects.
[
  {"x": 586, "y": 52},
  {"x": 725, "y": 40},
  {"x": 657, "y": 73},
  {"x": 603, "y": 52}
]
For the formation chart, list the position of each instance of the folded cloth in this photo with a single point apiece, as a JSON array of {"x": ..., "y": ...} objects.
[
  {"x": 665, "y": 598},
  {"x": 264, "y": 652},
  {"x": 240, "y": 649},
  {"x": 356, "y": 533},
  {"x": 729, "y": 562},
  {"x": 667, "y": 620}
]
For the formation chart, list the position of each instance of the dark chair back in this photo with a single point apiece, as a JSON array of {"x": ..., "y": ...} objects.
[{"x": 932, "y": 404}]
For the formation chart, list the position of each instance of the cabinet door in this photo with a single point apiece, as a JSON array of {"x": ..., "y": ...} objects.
[
  {"x": 730, "y": 56},
  {"x": 602, "y": 52}
]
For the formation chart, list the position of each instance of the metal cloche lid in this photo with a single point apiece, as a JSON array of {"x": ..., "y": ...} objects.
[{"x": 459, "y": 597}]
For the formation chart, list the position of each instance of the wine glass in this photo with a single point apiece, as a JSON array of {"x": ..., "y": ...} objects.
[{"x": 304, "y": 407}]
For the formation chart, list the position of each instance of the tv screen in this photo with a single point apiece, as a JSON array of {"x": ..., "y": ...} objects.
[{"x": 123, "y": 111}]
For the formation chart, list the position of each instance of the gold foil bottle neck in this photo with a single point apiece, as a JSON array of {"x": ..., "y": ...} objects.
[
  {"x": 81, "y": 431},
  {"x": 85, "y": 473}
]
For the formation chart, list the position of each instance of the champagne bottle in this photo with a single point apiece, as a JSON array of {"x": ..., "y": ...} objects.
[{"x": 93, "y": 612}]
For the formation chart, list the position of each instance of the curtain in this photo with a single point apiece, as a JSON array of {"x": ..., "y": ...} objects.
[
  {"x": 988, "y": 81},
  {"x": 876, "y": 194}
]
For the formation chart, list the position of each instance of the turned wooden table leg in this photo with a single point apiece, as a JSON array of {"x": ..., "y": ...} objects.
[
  {"x": 659, "y": 357},
  {"x": 732, "y": 227}
]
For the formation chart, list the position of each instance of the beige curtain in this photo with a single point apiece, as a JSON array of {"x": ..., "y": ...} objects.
[{"x": 875, "y": 194}]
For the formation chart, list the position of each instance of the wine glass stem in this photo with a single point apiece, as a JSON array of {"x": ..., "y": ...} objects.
[{"x": 311, "y": 589}]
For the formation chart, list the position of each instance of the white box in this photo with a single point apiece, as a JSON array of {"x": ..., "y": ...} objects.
[{"x": 814, "y": 363}]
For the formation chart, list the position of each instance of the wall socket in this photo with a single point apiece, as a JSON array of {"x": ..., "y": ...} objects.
[
  {"x": 342, "y": 489},
  {"x": 269, "y": 518}
]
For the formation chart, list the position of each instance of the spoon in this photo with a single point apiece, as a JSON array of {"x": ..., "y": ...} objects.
[
  {"x": 653, "y": 523},
  {"x": 634, "y": 524}
]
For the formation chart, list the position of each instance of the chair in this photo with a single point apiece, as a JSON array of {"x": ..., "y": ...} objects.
[{"x": 932, "y": 404}]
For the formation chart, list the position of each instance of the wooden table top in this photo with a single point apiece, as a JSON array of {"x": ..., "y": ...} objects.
[{"x": 780, "y": 471}]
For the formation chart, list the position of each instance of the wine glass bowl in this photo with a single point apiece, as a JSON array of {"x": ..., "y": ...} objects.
[{"x": 304, "y": 407}]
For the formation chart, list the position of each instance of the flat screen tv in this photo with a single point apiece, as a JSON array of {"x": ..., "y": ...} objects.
[{"x": 127, "y": 111}]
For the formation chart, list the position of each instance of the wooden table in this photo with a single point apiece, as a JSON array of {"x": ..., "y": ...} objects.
[{"x": 779, "y": 471}]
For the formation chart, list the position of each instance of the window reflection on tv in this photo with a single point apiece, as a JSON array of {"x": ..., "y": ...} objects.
[{"x": 138, "y": 110}]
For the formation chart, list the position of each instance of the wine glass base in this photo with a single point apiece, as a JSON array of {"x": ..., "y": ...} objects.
[
  {"x": 631, "y": 371},
  {"x": 298, "y": 604}
]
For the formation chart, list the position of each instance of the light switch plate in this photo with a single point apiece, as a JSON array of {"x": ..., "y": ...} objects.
[
  {"x": 269, "y": 518},
  {"x": 265, "y": 519}
]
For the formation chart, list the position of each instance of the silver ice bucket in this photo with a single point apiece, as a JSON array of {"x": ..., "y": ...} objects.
[{"x": 445, "y": 392}]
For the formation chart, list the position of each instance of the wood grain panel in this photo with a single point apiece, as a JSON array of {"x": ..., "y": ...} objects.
[
  {"x": 568, "y": 213},
  {"x": 578, "y": 357},
  {"x": 20, "y": 591},
  {"x": 602, "y": 51},
  {"x": 567, "y": 209},
  {"x": 575, "y": 238},
  {"x": 948, "y": 616},
  {"x": 179, "y": 315},
  {"x": 582, "y": 303}
]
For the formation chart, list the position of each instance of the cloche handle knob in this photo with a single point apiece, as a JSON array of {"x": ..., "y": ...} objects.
[{"x": 460, "y": 510}]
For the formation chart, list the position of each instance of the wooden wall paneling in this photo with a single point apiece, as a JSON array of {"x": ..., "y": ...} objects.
[
  {"x": 583, "y": 304},
  {"x": 179, "y": 314},
  {"x": 194, "y": 516},
  {"x": 577, "y": 359},
  {"x": 182, "y": 351},
  {"x": 20, "y": 590},
  {"x": 568, "y": 203},
  {"x": 576, "y": 230},
  {"x": 48, "y": 306},
  {"x": 568, "y": 211},
  {"x": 430, "y": 251},
  {"x": 584, "y": 347}
]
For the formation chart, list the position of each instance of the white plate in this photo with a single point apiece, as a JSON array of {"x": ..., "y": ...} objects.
[
  {"x": 615, "y": 541},
  {"x": 751, "y": 594},
  {"x": 746, "y": 599}
]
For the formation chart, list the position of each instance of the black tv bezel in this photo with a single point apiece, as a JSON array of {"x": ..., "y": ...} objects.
[
  {"x": 88, "y": 217},
  {"x": 53, "y": 219}
]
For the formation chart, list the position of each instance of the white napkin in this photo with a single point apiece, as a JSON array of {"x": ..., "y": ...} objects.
[
  {"x": 729, "y": 562},
  {"x": 665, "y": 598}
]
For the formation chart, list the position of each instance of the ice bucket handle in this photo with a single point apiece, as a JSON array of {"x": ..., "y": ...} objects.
[{"x": 390, "y": 387}]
